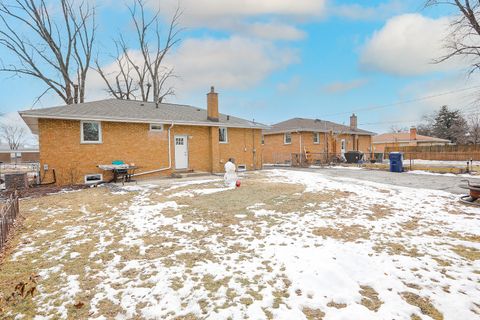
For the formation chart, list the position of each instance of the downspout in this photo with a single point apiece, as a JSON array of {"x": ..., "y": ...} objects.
[
  {"x": 301, "y": 147},
  {"x": 169, "y": 157}
]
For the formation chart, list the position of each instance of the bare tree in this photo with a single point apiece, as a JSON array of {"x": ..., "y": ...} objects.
[
  {"x": 13, "y": 134},
  {"x": 53, "y": 47},
  {"x": 143, "y": 76},
  {"x": 463, "y": 40},
  {"x": 397, "y": 129},
  {"x": 474, "y": 129}
]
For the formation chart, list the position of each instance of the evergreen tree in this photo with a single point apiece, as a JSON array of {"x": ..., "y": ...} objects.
[{"x": 451, "y": 125}]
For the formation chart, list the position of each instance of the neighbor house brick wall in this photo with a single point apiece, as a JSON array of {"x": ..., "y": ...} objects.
[
  {"x": 6, "y": 157},
  {"x": 61, "y": 149},
  {"x": 30, "y": 156},
  {"x": 276, "y": 151}
]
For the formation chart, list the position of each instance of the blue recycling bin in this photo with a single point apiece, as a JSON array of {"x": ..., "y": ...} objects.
[{"x": 396, "y": 162}]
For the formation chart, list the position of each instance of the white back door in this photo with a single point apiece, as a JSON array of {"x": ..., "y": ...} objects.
[{"x": 181, "y": 152}]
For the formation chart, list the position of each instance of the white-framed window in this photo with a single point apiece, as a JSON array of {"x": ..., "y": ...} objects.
[
  {"x": 179, "y": 141},
  {"x": 223, "y": 135},
  {"x": 93, "y": 178},
  {"x": 287, "y": 138},
  {"x": 156, "y": 127},
  {"x": 91, "y": 132},
  {"x": 316, "y": 137}
]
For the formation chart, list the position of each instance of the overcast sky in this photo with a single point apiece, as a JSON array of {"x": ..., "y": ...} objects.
[{"x": 276, "y": 59}]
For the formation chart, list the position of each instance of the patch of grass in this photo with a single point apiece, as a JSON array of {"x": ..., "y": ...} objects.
[
  {"x": 313, "y": 314},
  {"x": 411, "y": 225},
  {"x": 333, "y": 304},
  {"x": 342, "y": 232},
  {"x": 394, "y": 248},
  {"x": 464, "y": 237},
  {"x": 370, "y": 298},
  {"x": 424, "y": 304},
  {"x": 442, "y": 262},
  {"x": 379, "y": 211},
  {"x": 468, "y": 253},
  {"x": 412, "y": 285}
]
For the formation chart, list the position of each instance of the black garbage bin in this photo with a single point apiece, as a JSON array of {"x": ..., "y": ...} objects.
[{"x": 353, "y": 156}]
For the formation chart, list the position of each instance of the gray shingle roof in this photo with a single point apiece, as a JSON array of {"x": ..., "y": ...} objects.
[
  {"x": 134, "y": 111},
  {"x": 313, "y": 125}
]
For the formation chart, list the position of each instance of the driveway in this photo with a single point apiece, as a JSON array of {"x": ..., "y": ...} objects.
[{"x": 445, "y": 182}]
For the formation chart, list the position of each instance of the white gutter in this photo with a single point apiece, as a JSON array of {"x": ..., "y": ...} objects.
[{"x": 169, "y": 158}]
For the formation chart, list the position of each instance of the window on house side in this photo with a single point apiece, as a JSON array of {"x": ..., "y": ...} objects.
[
  {"x": 91, "y": 132},
  {"x": 287, "y": 138},
  {"x": 316, "y": 137},
  {"x": 222, "y": 135},
  {"x": 263, "y": 139},
  {"x": 156, "y": 127},
  {"x": 93, "y": 178}
]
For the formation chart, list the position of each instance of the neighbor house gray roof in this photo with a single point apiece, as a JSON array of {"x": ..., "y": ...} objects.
[
  {"x": 134, "y": 111},
  {"x": 314, "y": 125}
]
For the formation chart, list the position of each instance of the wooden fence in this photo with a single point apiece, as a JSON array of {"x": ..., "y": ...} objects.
[
  {"x": 8, "y": 215},
  {"x": 444, "y": 153}
]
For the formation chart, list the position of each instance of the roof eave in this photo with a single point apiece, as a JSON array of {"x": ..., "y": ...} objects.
[
  {"x": 321, "y": 130},
  {"x": 25, "y": 114}
]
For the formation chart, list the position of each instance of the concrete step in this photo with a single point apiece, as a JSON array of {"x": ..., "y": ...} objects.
[{"x": 189, "y": 174}]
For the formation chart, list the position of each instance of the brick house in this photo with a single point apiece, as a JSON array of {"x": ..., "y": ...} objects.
[
  {"x": 312, "y": 138},
  {"x": 158, "y": 138},
  {"x": 405, "y": 139},
  {"x": 22, "y": 154}
]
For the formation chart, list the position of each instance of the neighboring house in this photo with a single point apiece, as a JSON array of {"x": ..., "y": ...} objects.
[
  {"x": 405, "y": 139},
  {"x": 158, "y": 138},
  {"x": 313, "y": 136},
  {"x": 23, "y": 154}
]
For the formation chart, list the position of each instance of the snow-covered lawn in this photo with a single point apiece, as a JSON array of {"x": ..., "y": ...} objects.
[{"x": 285, "y": 245}]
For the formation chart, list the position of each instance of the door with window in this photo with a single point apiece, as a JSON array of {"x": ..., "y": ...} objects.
[
  {"x": 181, "y": 152},
  {"x": 343, "y": 147}
]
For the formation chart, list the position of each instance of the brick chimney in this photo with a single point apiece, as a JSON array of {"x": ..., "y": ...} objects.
[
  {"x": 413, "y": 133},
  {"x": 353, "y": 122},
  {"x": 212, "y": 105}
]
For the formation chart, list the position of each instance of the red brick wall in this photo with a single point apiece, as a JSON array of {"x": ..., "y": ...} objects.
[
  {"x": 61, "y": 149},
  {"x": 276, "y": 151}
]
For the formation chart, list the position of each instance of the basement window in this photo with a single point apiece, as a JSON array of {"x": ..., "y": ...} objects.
[
  {"x": 156, "y": 127},
  {"x": 222, "y": 135},
  {"x": 242, "y": 167},
  {"x": 91, "y": 132},
  {"x": 93, "y": 178},
  {"x": 287, "y": 138},
  {"x": 316, "y": 137}
]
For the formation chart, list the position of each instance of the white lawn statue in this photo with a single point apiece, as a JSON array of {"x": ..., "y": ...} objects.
[{"x": 230, "y": 174}]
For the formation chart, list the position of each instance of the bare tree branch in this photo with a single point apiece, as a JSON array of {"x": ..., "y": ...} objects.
[
  {"x": 464, "y": 38},
  {"x": 13, "y": 134},
  {"x": 55, "y": 49},
  {"x": 148, "y": 74}
]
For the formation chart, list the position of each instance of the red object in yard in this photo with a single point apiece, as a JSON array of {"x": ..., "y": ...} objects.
[{"x": 238, "y": 183}]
